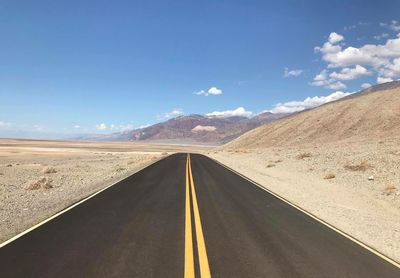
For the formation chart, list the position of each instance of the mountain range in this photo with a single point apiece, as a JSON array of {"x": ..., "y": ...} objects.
[{"x": 192, "y": 129}]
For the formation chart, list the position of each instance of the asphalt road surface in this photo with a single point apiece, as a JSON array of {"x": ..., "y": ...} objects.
[{"x": 187, "y": 216}]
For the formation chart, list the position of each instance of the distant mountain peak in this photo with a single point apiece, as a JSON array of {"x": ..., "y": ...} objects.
[{"x": 196, "y": 128}]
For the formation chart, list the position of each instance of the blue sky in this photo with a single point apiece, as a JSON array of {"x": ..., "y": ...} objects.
[{"x": 82, "y": 66}]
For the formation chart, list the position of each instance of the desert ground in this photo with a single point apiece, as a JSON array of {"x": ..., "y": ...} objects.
[
  {"x": 352, "y": 185},
  {"x": 339, "y": 161},
  {"x": 40, "y": 178}
]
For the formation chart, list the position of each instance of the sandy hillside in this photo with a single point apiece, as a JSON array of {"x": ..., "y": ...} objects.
[
  {"x": 374, "y": 116},
  {"x": 39, "y": 178},
  {"x": 340, "y": 161}
]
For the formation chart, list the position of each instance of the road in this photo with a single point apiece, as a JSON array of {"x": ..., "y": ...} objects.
[{"x": 187, "y": 216}]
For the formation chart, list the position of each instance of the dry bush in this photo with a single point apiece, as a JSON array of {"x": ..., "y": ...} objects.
[
  {"x": 303, "y": 155},
  {"x": 329, "y": 176},
  {"x": 132, "y": 162},
  {"x": 277, "y": 161},
  {"x": 390, "y": 189},
  {"x": 363, "y": 166},
  {"x": 270, "y": 165},
  {"x": 42, "y": 183},
  {"x": 49, "y": 170},
  {"x": 9, "y": 165},
  {"x": 120, "y": 169},
  {"x": 164, "y": 153}
]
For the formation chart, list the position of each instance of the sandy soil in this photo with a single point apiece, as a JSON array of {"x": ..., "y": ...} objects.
[
  {"x": 351, "y": 185},
  {"x": 40, "y": 178}
]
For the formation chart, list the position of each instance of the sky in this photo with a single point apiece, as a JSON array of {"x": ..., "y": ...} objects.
[{"x": 75, "y": 67}]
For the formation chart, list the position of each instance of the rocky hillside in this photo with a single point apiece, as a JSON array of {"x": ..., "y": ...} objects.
[
  {"x": 372, "y": 114},
  {"x": 200, "y": 128}
]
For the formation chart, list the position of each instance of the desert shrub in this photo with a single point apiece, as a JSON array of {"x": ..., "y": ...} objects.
[
  {"x": 329, "y": 176},
  {"x": 363, "y": 166},
  {"x": 270, "y": 165},
  {"x": 390, "y": 189},
  {"x": 42, "y": 183},
  {"x": 303, "y": 155},
  {"x": 49, "y": 170}
]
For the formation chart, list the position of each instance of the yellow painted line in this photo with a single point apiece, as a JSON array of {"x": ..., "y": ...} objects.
[
  {"x": 323, "y": 222},
  {"x": 189, "y": 262},
  {"x": 72, "y": 206},
  {"x": 201, "y": 246}
]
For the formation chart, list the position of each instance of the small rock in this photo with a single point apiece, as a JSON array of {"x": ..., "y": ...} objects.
[{"x": 371, "y": 178}]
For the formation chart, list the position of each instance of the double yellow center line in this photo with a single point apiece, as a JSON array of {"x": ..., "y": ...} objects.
[{"x": 201, "y": 247}]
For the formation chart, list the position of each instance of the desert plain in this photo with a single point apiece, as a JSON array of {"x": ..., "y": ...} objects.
[{"x": 39, "y": 178}]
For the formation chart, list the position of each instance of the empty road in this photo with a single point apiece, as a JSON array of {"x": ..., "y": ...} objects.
[{"x": 187, "y": 216}]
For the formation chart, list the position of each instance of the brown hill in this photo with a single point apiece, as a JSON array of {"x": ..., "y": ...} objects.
[
  {"x": 373, "y": 114},
  {"x": 200, "y": 128}
]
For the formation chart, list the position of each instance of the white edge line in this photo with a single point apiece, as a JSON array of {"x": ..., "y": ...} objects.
[
  {"x": 369, "y": 248},
  {"x": 74, "y": 205}
]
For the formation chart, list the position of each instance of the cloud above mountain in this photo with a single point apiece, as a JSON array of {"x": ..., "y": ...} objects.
[
  {"x": 172, "y": 114},
  {"x": 213, "y": 91},
  {"x": 240, "y": 111},
  {"x": 309, "y": 102},
  {"x": 349, "y": 63},
  {"x": 5, "y": 124}
]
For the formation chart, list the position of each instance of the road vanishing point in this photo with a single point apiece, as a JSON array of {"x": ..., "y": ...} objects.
[{"x": 187, "y": 216}]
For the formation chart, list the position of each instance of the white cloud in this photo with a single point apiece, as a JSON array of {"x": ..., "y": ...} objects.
[
  {"x": 101, "y": 126},
  {"x": 144, "y": 126},
  {"x": 335, "y": 38},
  {"x": 369, "y": 54},
  {"x": 365, "y": 85},
  {"x": 208, "y": 128},
  {"x": 381, "y": 80},
  {"x": 214, "y": 91},
  {"x": 310, "y": 102},
  {"x": 382, "y": 60},
  {"x": 240, "y": 111},
  {"x": 349, "y": 27},
  {"x": 395, "y": 25},
  {"x": 114, "y": 127},
  {"x": 5, "y": 124},
  {"x": 336, "y": 85},
  {"x": 294, "y": 72},
  {"x": 322, "y": 79},
  {"x": 350, "y": 73},
  {"x": 381, "y": 36},
  {"x": 174, "y": 113},
  {"x": 77, "y": 126}
]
